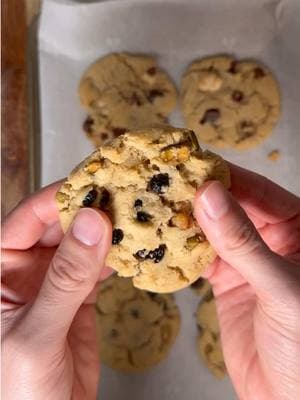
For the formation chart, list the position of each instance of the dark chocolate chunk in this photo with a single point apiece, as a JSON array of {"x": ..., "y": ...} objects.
[
  {"x": 89, "y": 198},
  {"x": 138, "y": 203},
  {"x": 158, "y": 183},
  {"x": 211, "y": 115},
  {"x": 157, "y": 254},
  {"x": 141, "y": 254},
  {"x": 154, "y": 93},
  {"x": 104, "y": 136},
  {"x": 246, "y": 129},
  {"x": 118, "y": 131},
  {"x": 259, "y": 73},
  {"x": 232, "y": 68},
  {"x": 237, "y": 96},
  {"x": 143, "y": 216},
  {"x": 117, "y": 236},
  {"x": 88, "y": 124},
  {"x": 151, "y": 71}
]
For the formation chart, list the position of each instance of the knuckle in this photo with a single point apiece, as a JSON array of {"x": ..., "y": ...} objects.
[
  {"x": 243, "y": 239},
  {"x": 68, "y": 274}
]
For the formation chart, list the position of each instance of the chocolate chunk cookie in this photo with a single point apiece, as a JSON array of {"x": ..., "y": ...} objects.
[
  {"x": 146, "y": 181},
  {"x": 209, "y": 342},
  {"x": 136, "y": 329},
  {"x": 123, "y": 91},
  {"x": 229, "y": 103}
]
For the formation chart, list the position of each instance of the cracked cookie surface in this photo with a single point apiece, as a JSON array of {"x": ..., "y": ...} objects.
[
  {"x": 229, "y": 103},
  {"x": 209, "y": 341},
  {"x": 146, "y": 181},
  {"x": 136, "y": 329},
  {"x": 123, "y": 91}
]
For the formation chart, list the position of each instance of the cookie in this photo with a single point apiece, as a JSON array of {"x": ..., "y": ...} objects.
[
  {"x": 201, "y": 287},
  {"x": 209, "y": 342},
  {"x": 229, "y": 103},
  {"x": 146, "y": 181},
  {"x": 136, "y": 329},
  {"x": 122, "y": 92}
]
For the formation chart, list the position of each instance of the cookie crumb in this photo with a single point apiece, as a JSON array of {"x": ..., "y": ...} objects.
[{"x": 274, "y": 155}]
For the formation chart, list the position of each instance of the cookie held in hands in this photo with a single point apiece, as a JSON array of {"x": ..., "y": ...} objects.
[{"x": 146, "y": 182}]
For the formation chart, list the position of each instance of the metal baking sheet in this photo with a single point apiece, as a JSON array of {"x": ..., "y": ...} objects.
[{"x": 72, "y": 34}]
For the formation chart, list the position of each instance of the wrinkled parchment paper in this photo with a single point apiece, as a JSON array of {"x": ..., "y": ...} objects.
[{"x": 72, "y": 34}]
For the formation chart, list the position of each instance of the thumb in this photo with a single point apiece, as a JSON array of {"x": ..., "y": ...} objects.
[
  {"x": 234, "y": 237},
  {"x": 73, "y": 272}
]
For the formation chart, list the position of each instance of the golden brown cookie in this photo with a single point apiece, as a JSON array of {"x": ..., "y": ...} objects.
[
  {"x": 230, "y": 103},
  {"x": 146, "y": 181},
  {"x": 123, "y": 91},
  {"x": 209, "y": 341},
  {"x": 136, "y": 329}
]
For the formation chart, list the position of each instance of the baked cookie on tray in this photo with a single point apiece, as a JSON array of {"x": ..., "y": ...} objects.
[
  {"x": 209, "y": 342},
  {"x": 230, "y": 103},
  {"x": 136, "y": 329},
  {"x": 146, "y": 181},
  {"x": 123, "y": 91}
]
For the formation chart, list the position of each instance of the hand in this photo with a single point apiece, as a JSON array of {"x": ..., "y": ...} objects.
[
  {"x": 256, "y": 282},
  {"x": 48, "y": 319}
]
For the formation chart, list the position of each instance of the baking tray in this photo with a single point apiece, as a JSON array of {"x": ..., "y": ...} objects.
[{"x": 71, "y": 34}]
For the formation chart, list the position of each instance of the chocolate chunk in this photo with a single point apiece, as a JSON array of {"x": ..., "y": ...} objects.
[
  {"x": 118, "y": 131},
  {"x": 143, "y": 216},
  {"x": 104, "y": 198},
  {"x": 151, "y": 71},
  {"x": 140, "y": 255},
  {"x": 157, "y": 254},
  {"x": 154, "y": 93},
  {"x": 134, "y": 313},
  {"x": 232, "y": 69},
  {"x": 259, "y": 73},
  {"x": 88, "y": 125},
  {"x": 246, "y": 129},
  {"x": 117, "y": 236},
  {"x": 155, "y": 167},
  {"x": 104, "y": 136},
  {"x": 237, "y": 96},
  {"x": 138, "y": 203},
  {"x": 211, "y": 115},
  {"x": 89, "y": 198},
  {"x": 158, "y": 183}
]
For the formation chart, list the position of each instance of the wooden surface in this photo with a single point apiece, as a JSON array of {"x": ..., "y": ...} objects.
[{"x": 14, "y": 151}]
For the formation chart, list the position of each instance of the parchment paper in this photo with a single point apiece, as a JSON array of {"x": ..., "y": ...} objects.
[{"x": 72, "y": 35}]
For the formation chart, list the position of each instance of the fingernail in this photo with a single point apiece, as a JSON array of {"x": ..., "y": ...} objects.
[
  {"x": 88, "y": 227},
  {"x": 214, "y": 200}
]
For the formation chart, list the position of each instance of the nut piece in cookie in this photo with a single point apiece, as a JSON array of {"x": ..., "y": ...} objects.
[{"x": 148, "y": 197}]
